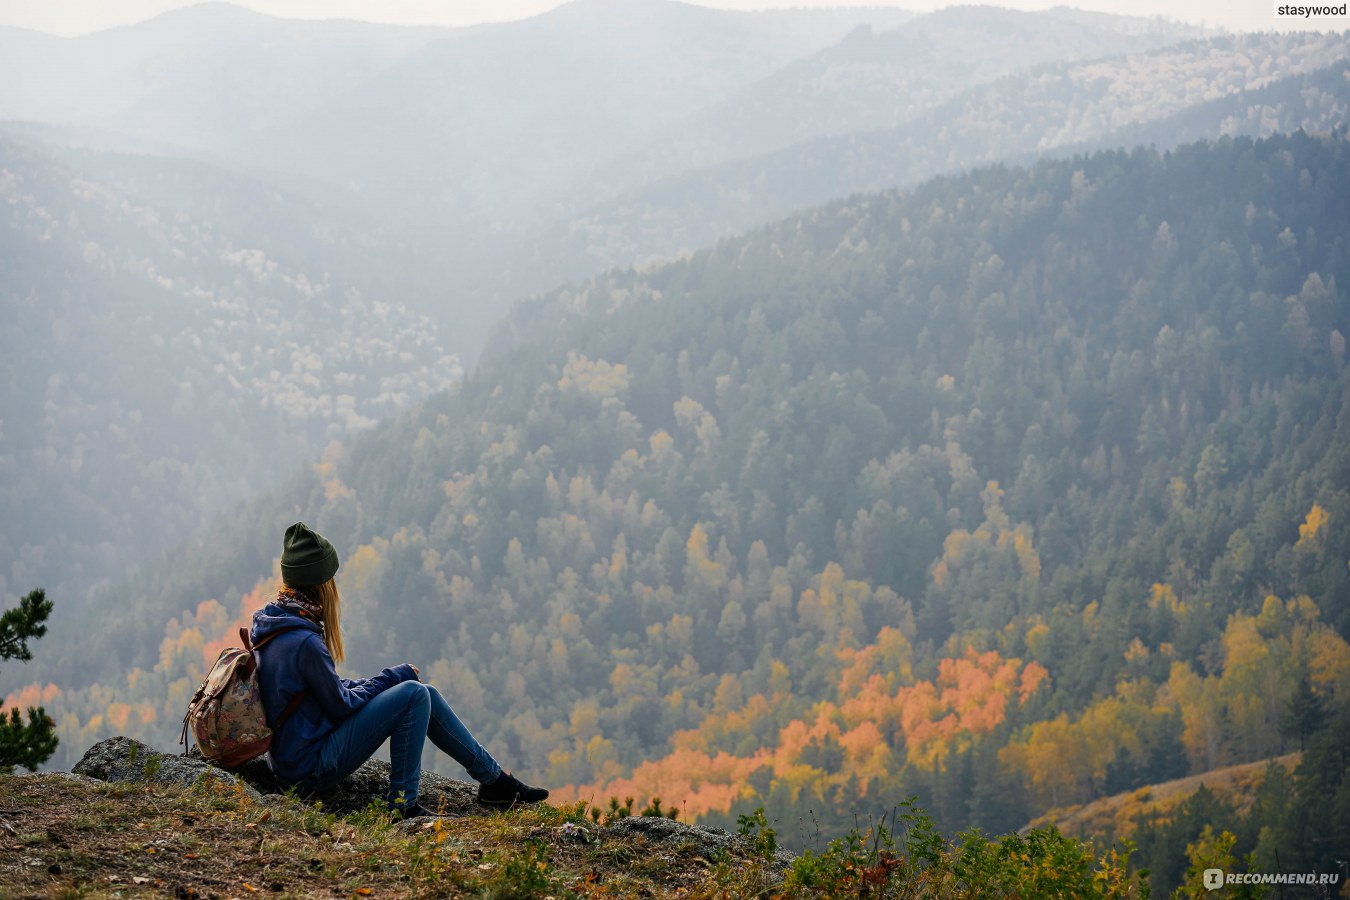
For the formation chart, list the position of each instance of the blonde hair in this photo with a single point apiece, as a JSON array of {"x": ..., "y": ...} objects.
[
  {"x": 330, "y": 611},
  {"x": 330, "y": 601}
]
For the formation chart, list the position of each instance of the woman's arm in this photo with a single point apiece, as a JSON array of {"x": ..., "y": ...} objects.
[{"x": 340, "y": 697}]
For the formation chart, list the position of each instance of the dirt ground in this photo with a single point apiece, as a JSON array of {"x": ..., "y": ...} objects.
[{"x": 63, "y": 836}]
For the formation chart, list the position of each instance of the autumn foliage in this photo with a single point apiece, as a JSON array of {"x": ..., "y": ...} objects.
[{"x": 879, "y": 720}]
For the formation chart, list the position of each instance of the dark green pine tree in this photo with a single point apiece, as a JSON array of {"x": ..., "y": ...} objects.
[
  {"x": 1303, "y": 715},
  {"x": 30, "y": 743}
]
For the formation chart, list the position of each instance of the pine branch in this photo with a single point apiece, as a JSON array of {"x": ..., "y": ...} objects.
[{"x": 23, "y": 622}]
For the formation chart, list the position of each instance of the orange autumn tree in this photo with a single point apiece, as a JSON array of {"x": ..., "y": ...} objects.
[
  {"x": 148, "y": 704},
  {"x": 32, "y": 695},
  {"x": 227, "y": 630},
  {"x": 832, "y": 754},
  {"x": 968, "y": 698}
]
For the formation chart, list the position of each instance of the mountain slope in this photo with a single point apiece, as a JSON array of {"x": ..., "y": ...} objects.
[
  {"x": 501, "y": 126},
  {"x": 1115, "y": 815},
  {"x": 1212, "y": 88},
  {"x": 875, "y": 79},
  {"x": 196, "y": 76},
  {"x": 458, "y": 143},
  {"x": 161, "y": 360},
  {"x": 931, "y": 492}
]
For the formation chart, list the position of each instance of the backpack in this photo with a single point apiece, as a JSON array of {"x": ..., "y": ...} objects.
[{"x": 226, "y": 714}]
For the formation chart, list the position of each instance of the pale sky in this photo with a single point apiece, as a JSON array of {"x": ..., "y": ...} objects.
[{"x": 73, "y": 17}]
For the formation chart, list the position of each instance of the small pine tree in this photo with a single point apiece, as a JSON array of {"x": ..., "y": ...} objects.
[
  {"x": 32, "y": 743},
  {"x": 1303, "y": 715}
]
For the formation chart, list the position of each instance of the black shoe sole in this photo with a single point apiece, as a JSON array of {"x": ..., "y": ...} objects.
[{"x": 507, "y": 804}]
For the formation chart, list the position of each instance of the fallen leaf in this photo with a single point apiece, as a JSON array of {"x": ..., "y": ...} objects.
[
  {"x": 364, "y": 892},
  {"x": 189, "y": 856},
  {"x": 264, "y": 817},
  {"x": 140, "y": 879},
  {"x": 250, "y": 888}
]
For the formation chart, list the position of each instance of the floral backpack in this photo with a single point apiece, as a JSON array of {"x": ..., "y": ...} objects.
[{"x": 226, "y": 714}]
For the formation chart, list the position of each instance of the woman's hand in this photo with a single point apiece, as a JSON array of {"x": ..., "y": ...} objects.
[{"x": 416, "y": 671}]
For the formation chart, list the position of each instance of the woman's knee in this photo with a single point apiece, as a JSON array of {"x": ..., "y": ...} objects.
[{"x": 413, "y": 693}]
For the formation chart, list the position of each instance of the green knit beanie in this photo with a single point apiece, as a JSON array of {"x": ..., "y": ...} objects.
[{"x": 306, "y": 558}]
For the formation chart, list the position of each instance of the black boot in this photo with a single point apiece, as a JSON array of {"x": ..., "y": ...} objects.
[
  {"x": 507, "y": 791},
  {"x": 401, "y": 811}
]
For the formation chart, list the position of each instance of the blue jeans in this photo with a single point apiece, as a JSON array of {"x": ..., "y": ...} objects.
[{"x": 406, "y": 714}]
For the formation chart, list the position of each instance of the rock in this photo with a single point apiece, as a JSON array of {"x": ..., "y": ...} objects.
[
  {"x": 370, "y": 783},
  {"x": 124, "y": 759},
  {"x": 367, "y": 784},
  {"x": 69, "y": 776},
  {"x": 707, "y": 842},
  {"x": 255, "y": 772},
  {"x": 572, "y": 833}
]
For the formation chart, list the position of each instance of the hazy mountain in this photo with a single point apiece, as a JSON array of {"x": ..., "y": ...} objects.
[
  {"x": 197, "y": 77},
  {"x": 161, "y": 361},
  {"x": 492, "y": 126},
  {"x": 1255, "y": 84},
  {"x": 1014, "y": 487},
  {"x": 497, "y": 127},
  {"x": 875, "y": 78},
  {"x": 905, "y": 494},
  {"x": 455, "y": 144}
]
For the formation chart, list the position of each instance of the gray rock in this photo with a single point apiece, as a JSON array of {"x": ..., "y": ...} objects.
[
  {"x": 255, "y": 772},
  {"x": 123, "y": 759},
  {"x": 66, "y": 776},
  {"x": 370, "y": 783},
  {"x": 708, "y": 843}
]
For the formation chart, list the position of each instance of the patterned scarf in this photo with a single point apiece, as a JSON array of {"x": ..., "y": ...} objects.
[{"x": 300, "y": 603}]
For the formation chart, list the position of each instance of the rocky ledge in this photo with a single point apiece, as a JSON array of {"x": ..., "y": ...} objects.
[{"x": 126, "y": 760}]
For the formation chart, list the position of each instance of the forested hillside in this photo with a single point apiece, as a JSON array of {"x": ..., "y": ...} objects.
[
  {"x": 260, "y": 268},
  {"x": 874, "y": 79},
  {"x": 1227, "y": 85},
  {"x": 219, "y": 261},
  {"x": 176, "y": 339},
  {"x": 464, "y": 143},
  {"x": 1020, "y": 488}
]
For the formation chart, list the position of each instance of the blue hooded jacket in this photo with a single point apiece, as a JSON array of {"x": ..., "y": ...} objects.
[{"x": 299, "y": 660}]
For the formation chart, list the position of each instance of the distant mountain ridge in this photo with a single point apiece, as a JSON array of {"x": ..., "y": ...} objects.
[
  {"x": 464, "y": 142},
  {"x": 907, "y": 494},
  {"x": 409, "y": 163},
  {"x": 164, "y": 359},
  {"x": 1010, "y": 488},
  {"x": 1055, "y": 109},
  {"x": 874, "y": 79}
]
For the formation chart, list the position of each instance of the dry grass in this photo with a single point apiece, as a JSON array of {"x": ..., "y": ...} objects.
[
  {"x": 1112, "y": 817},
  {"x": 61, "y": 837}
]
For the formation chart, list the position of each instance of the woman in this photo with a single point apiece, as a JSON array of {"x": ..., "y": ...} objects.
[{"x": 328, "y": 725}]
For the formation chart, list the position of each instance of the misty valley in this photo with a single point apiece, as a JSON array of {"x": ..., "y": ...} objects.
[{"x": 804, "y": 419}]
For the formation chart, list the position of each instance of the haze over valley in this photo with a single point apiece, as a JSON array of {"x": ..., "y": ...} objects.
[{"x": 803, "y": 409}]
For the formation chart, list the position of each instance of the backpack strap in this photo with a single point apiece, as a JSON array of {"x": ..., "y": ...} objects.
[
  {"x": 299, "y": 696},
  {"x": 291, "y": 707}
]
